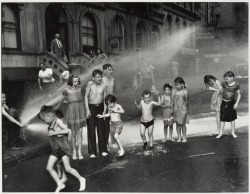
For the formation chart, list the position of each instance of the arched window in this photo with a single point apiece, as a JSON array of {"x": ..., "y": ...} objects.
[
  {"x": 119, "y": 33},
  {"x": 169, "y": 20},
  {"x": 154, "y": 38},
  {"x": 88, "y": 34},
  {"x": 10, "y": 28},
  {"x": 177, "y": 23}
]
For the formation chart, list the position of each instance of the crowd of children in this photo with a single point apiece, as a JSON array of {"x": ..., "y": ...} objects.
[{"x": 98, "y": 105}]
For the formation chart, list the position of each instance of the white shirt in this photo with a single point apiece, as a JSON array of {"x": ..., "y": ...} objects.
[
  {"x": 45, "y": 74},
  {"x": 65, "y": 75}
]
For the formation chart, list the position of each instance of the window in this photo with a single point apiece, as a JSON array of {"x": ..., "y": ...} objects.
[
  {"x": 190, "y": 6},
  {"x": 119, "y": 33},
  {"x": 88, "y": 33},
  {"x": 139, "y": 35},
  {"x": 217, "y": 21},
  {"x": 10, "y": 28}
]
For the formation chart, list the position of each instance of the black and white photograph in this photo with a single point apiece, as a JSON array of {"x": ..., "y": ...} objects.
[{"x": 125, "y": 96}]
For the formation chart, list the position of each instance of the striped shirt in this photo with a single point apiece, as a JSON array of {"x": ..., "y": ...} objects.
[{"x": 229, "y": 91}]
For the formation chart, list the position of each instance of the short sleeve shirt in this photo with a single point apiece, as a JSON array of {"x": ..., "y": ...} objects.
[
  {"x": 229, "y": 91},
  {"x": 42, "y": 74}
]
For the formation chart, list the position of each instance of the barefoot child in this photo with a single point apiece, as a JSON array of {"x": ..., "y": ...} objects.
[
  {"x": 213, "y": 84},
  {"x": 147, "y": 120},
  {"x": 168, "y": 117},
  {"x": 114, "y": 112},
  {"x": 229, "y": 105},
  {"x": 76, "y": 118},
  {"x": 180, "y": 101},
  {"x": 60, "y": 148}
]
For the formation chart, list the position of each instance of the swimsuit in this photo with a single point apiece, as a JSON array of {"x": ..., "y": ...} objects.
[{"x": 147, "y": 124}]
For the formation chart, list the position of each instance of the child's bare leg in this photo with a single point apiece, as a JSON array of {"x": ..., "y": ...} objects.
[
  {"x": 178, "y": 129},
  {"x": 184, "y": 133},
  {"x": 79, "y": 139},
  {"x": 74, "y": 144},
  {"x": 73, "y": 171},
  {"x": 50, "y": 168},
  {"x": 59, "y": 169},
  {"x": 117, "y": 139},
  {"x": 165, "y": 132},
  {"x": 171, "y": 133},
  {"x": 221, "y": 129},
  {"x": 64, "y": 177},
  {"x": 233, "y": 129},
  {"x": 218, "y": 120},
  {"x": 143, "y": 131},
  {"x": 150, "y": 135}
]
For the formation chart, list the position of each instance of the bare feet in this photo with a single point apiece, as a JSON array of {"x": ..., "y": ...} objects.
[
  {"x": 92, "y": 156},
  {"x": 234, "y": 136},
  {"x": 121, "y": 153},
  {"x": 80, "y": 156},
  {"x": 172, "y": 139},
  {"x": 164, "y": 140},
  {"x": 63, "y": 179},
  {"x": 60, "y": 187},
  {"x": 74, "y": 156},
  {"x": 179, "y": 140},
  {"x": 82, "y": 184},
  {"x": 219, "y": 136},
  {"x": 184, "y": 140}
]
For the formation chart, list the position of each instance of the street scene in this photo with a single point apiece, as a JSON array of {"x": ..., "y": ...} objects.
[{"x": 125, "y": 97}]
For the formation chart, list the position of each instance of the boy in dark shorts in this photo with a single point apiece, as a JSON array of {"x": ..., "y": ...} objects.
[{"x": 229, "y": 105}]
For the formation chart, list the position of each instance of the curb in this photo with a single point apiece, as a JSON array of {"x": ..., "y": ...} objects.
[{"x": 26, "y": 155}]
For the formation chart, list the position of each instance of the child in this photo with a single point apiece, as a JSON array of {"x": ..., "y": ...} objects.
[
  {"x": 229, "y": 106},
  {"x": 168, "y": 119},
  {"x": 76, "y": 118},
  {"x": 8, "y": 120},
  {"x": 147, "y": 120},
  {"x": 114, "y": 111},
  {"x": 180, "y": 104},
  {"x": 94, "y": 102},
  {"x": 60, "y": 148},
  {"x": 213, "y": 84}
]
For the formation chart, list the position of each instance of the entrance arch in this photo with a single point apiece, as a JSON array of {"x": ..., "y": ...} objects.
[{"x": 56, "y": 22}]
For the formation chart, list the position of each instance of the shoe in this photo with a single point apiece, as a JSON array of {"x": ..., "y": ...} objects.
[
  {"x": 151, "y": 148},
  {"x": 179, "y": 140},
  {"x": 104, "y": 153},
  {"x": 184, "y": 140},
  {"x": 92, "y": 156},
  {"x": 145, "y": 145},
  {"x": 173, "y": 140}
]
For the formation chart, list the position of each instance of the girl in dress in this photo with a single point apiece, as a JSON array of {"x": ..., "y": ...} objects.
[
  {"x": 76, "y": 117},
  {"x": 213, "y": 84},
  {"x": 60, "y": 148},
  {"x": 168, "y": 117},
  {"x": 180, "y": 103}
]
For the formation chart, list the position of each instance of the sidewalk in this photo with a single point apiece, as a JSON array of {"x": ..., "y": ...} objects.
[{"x": 38, "y": 140}]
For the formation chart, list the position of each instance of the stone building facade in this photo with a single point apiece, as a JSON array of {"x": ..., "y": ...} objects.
[{"x": 117, "y": 28}]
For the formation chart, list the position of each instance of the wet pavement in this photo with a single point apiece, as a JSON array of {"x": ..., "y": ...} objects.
[{"x": 203, "y": 164}]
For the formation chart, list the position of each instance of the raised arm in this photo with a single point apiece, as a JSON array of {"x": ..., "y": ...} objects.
[{"x": 138, "y": 105}]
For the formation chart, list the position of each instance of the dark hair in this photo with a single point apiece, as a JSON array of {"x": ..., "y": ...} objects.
[
  {"x": 71, "y": 77},
  {"x": 44, "y": 110},
  {"x": 42, "y": 64},
  {"x": 207, "y": 79},
  {"x": 110, "y": 98},
  {"x": 96, "y": 71},
  {"x": 99, "y": 50},
  {"x": 167, "y": 85},
  {"x": 229, "y": 74},
  {"x": 13, "y": 112},
  {"x": 146, "y": 92},
  {"x": 59, "y": 114},
  {"x": 71, "y": 69},
  {"x": 180, "y": 80},
  {"x": 106, "y": 66}
]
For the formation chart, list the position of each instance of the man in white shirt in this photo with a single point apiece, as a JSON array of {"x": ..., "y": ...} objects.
[{"x": 45, "y": 79}]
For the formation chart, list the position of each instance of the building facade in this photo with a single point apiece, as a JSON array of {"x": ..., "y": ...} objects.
[{"x": 116, "y": 28}]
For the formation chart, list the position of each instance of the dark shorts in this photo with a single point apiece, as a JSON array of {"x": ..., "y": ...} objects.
[
  {"x": 227, "y": 112},
  {"x": 147, "y": 124},
  {"x": 58, "y": 153}
]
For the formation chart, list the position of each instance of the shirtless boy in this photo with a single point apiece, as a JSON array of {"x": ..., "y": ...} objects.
[
  {"x": 147, "y": 119},
  {"x": 94, "y": 102},
  {"x": 114, "y": 112},
  {"x": 108, "y": 79}
]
